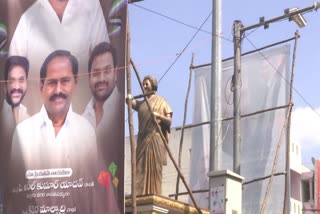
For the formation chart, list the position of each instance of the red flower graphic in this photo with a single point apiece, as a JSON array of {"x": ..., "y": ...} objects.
[{"x": 104, "y": 179}]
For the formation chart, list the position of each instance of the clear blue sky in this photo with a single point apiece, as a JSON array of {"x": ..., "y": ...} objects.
[{"x": 156, "y": 42}]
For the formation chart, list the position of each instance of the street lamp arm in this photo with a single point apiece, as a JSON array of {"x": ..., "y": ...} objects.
[{"x": 286, "y": 15}]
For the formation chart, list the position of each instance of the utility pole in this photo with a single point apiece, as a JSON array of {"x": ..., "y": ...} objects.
[{"x": 237, "y": 25}]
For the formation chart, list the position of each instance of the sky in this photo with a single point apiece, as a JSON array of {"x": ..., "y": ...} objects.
[{"x": 160, "y": 32}]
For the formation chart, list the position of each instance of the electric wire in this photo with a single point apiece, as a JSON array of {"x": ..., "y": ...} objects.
[
  {"x": 180, "y": 22},
  {"x": 185, "y": 48},
  {"x": 251, "y": 32}
]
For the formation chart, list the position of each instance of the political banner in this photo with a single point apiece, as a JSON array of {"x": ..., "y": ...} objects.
[{"x": 62, "y": 76}]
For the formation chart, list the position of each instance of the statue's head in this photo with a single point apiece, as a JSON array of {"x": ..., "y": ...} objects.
[{"x": 153, "y": 81}]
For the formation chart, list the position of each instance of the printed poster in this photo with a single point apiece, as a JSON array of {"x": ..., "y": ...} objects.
[{"x": 217, "y": 200}]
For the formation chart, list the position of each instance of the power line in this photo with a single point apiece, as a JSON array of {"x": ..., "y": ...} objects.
[
  {"x": 180, "y": 22},
  {"x": 187, "y": 45},
  {"x": 189, "y": 42},
  {"x": 251, "y": 32},
  {"x": 183, "y": 50}
]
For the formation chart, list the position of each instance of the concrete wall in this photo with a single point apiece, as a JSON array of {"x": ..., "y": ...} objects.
[{"x": 295, "y": 157}]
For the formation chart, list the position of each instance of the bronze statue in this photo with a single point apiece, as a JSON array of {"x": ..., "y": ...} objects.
[{"x": 151, "y": 151}]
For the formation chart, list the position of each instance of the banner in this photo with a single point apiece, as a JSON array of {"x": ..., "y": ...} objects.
[
  {"x": 264, "y": 85},
  {"x": 62, "y": 79}
]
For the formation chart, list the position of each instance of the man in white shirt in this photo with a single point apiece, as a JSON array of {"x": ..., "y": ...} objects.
[
  {"x": 58, "y": 140},
  {"x": 73, "y": 25},
  {"x": 103, "y": 109},
  {"x": 102, "y": 82}
]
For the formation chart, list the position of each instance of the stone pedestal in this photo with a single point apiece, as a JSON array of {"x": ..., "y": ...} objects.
[{"x": 154, "y": 204}]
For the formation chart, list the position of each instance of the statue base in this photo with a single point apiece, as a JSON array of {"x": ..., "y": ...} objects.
[{"x": 154, "y": 204}]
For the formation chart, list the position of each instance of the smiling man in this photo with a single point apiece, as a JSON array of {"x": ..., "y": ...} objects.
[
  {"x": 56, "y": 121},
  {"x": 102, "y": 111},
  {"x": 12, "y": 112},
  {"x": 54, "y": 140},
  {"x": 102, "y": 83},
  {"x": 58, "y": 82},
  {"x": 16, "y": 74}
]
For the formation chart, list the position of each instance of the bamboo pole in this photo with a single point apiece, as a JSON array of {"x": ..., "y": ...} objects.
[
  {"x": 131, "y": 129},
  {"x": 183, "y": 124},
  {"x": 231, "y": 118},
  {"x": 247, "y": 53},
  {"x": 286, "y": 202},
  {"x": 275, "y": 161},
  {"x": 244, "y": 183}
]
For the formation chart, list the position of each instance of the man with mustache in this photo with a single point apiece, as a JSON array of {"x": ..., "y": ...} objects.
[
  {"x": 16, "y": 74},
  {"x": 102, "y": 110},
  {"x": 102, "y": 83},
  {"x": 58, "y": 139},
  {"x": 58, "y": 82},
  {"x": 12, "y": 112}
]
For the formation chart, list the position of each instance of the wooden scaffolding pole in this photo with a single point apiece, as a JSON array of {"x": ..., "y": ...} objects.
[
  {"x": 286, "y": 202},
  {"x": 183, "y": 125},
  {"x": 131, "y": 130},
  {"x": 286, "y": 124}
]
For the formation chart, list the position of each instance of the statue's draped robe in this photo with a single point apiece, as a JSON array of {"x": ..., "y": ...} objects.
[{"x": 151, "y": 152}]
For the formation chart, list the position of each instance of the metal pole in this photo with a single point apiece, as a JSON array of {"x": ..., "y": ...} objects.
[
  {"x": 286, "y": 15},
  {"x": 215, "y": 98},
  {"x": 237, "y": 25}
]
